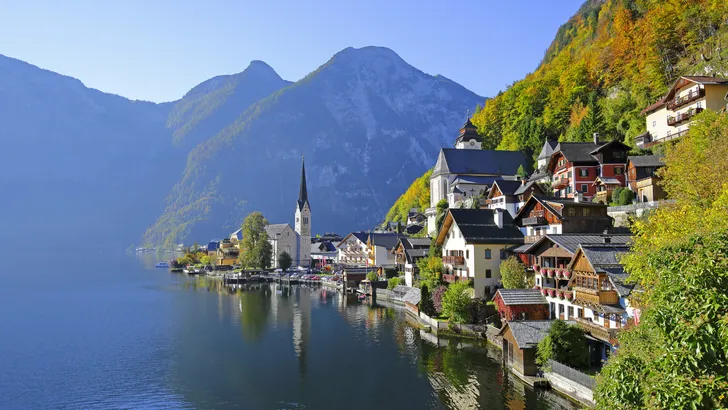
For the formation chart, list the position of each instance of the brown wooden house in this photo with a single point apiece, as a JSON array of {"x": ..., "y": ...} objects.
[
  {"x": 642, "y": 177},
  {"x": 520, "y": 340}
]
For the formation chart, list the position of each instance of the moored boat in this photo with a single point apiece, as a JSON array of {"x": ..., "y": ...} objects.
[{"x": 162, "y": 265}]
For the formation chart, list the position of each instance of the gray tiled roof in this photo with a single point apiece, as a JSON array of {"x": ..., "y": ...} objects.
[
  {"x": 529, "y": 332},
  {"x": 478, "y": 226},
  {"x": 608, "y": 181},
  {"x": 274, "y": 229},
  {"x": 507, "y": 187},
  {"x": 412, "y": 296},
  {"x": 401, "y": 290},
  {"x": 418, "y": 242},
  {"x": 577, "y": 151},
  {"x": 524, "y": 187},
  {"x": 618, "y": 277},
  {"x": 411, "y": 254},
  {"x": 548, "y": 149},
  {"x": 571, "y": 242},
  {"x": 647, "y": 160},
  {"x": 387, "y": 240},
  {"x": 476, "y": 161},
  {"x": 522, "y": 297},
  {"x": 603, "y": 255}
]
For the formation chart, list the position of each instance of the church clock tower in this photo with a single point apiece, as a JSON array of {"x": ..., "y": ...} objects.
[{"x": 303, "y": 221}]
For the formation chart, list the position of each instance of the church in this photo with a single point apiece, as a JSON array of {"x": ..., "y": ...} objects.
[
  {"x": 467, "y": 171},
  {"x": 296, "y": 242}
]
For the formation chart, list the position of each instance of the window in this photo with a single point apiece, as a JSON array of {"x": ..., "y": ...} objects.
[
  {"x": 669, "y": 133},
  {"x": 584, "y": 188},
  {"x": 487, "y": 254},
  {"x": 583, "y": 172},
  {"x": 619, "y": 154},
  {"x": 599, "y": 171},
  {"x": 700, "y": 104},
  {"x": 585, "y": 211},
  {"x": 618, "y": 170},
  {"x": 568, "y": 174},
  {"x": 571, "y": 211},
  {"x": 488, "y": 274},
  {"x": 654, "y": 124},
  {"x": 568, "y": 190},
  {"x": 467, "y": 254},
  {"x": 503, "y": 255},
  {"x": 570, "y": 313}
]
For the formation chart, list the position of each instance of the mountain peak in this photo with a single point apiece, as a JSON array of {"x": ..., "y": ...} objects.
[{"x": 261, "y": 69}]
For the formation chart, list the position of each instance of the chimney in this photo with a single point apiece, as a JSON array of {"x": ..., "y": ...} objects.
[
  {"x": 596, "y": 138},
  {"x": 498, "y": 217},
  {"x": 523, "y": 181}
]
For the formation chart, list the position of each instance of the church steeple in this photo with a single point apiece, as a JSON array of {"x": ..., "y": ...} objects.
[{"x": 303, "y": 192}]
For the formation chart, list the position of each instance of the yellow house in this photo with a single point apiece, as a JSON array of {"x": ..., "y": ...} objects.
[
  {"x": 670, "y": 116},
  {"x": 474, "y": 243}
]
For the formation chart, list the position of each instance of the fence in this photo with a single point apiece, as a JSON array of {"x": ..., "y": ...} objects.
[{"x": 572, "y": 374}]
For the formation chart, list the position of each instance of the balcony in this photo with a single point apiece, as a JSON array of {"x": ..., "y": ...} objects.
[
  {"x": 600, "y": 332},
  {"x": 534, "y": 220},
  {"x": 601, "y": 297},
  {"x": 453, "y": 260},
  {"x": 686, "y": 99},
  {"x": 532, "y": 238},
  {"x": 560, "y": 183},
  {"x": 673, "y": 120},
  {"x": 656, "y": 141},
  {"x": 449, "y": 278}
]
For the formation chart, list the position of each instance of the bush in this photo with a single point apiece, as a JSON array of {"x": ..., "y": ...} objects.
[
  {"x": 456, "y": 302},
  {"x": 390, "y": 273},
  {"x": 425, "y": 301},
  {"x": 437, "y": 298},
  {"x": 513, "y": 274},
  {"x": 615, "y": 195},
  {"x": 626, "y": 197},
  {"x": 393, "y": 282},
  {"x": 565, "y": 344},
  {"x": 372, "y": 276},
  {"x": 481, "y": 310}
]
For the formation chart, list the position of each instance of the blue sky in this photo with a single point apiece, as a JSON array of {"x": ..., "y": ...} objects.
[{"x": 158, "y": 49}]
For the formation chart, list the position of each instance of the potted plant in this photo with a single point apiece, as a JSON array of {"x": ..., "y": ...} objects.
[
  {"x": 550, "y": 273},
  {"x": 566, "y": 273},
  {"x": 536, "y": 267},
  {"x": 569, "y": 295},
  {"x": 544, "y": 292},
  {"x": 552, "y": 292},
  {"x": 561, "y": 294}
]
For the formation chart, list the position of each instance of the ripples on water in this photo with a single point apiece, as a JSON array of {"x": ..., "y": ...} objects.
[{"x": 136, "y": 337}]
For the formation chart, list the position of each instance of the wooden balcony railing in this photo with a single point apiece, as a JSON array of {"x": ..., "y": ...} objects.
[
  {"x": 534, "y": 220},
  {"x": 683, "y": 116},
  {"x": 531, "y": 238},
  {"x": 691, "y": 96},
  {"x": 449, "y": 278},
  {"x": 657, "y": 141},
  {"x": 453, "y": 260},
  {"x": 596, "y": 330},
  {"x": 601, "y": 297},
  {"x": 560, "y": 183}
]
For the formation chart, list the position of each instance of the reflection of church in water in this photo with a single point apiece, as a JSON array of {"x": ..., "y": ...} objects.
[{"x": 293, "y": 306}]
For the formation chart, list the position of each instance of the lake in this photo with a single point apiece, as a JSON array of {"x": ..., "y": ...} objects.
[{"x": 111, "y": 331}]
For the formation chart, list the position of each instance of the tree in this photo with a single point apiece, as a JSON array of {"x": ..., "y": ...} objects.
[
  {"x": 285, "y": 261},
  {"x": 437, "y": 298},
  {"x": 426, "y": 306},
  {"x": 626, "y": 197},
  {"x": 205, "y": 260},
  {"x": 456, "y": 302},
  {"x": 513, "y": 274},
  {"x": 393, "y": 282},
  {"x": 616, "y": 194},
  {"x": 521, "y": 172},
  {"x": 431, "y": 269},
  {"x": 255, "y": 249},
  {"x": 678, "y": 258},
  {"x": 372, "y": 276},
  {"x": 565, "y": 344}
]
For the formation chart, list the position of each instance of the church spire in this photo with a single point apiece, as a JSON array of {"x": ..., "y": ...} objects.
[{"x": 303, "y": 192}]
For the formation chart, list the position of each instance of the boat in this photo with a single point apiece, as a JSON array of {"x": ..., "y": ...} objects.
[{"x": 162, "y": 265}]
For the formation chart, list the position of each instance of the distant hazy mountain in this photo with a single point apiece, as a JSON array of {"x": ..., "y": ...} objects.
[
  {"x": 77, "y": 164},
  {"x": 366, "y": 121}
]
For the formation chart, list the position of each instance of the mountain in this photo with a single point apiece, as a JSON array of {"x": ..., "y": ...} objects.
[
  {"x": 366, "y": 121},
  {"x": 77, "y": 165},
  {"x": 606, "y": 64}
]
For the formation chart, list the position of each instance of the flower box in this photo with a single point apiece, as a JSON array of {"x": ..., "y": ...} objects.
[
  {"x": 569, "y": 295},
  {"x": 552, "y": 292},
  {"x": 566, "y": 274},
  {"x": 536, "y": 268},
  {"x": 544, "y": 292},
  {"x": 561, "y": 295},
  {"x": 550, "y": 273}
]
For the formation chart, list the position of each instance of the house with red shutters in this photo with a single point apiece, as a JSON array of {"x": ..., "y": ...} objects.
[{"x": 576, "y": 165}]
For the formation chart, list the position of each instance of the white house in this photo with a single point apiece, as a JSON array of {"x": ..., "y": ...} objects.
[
  {"x": 283, "y": 239},
  {"x": 502, "y": 195},
  {"x": 380, "y": 247},
  {"x": 352, "y": 250},
  {"x": 474, "y": 242}
]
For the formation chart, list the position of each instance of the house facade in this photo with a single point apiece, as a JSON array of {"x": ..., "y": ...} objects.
[
  {"x": 380, "y": 247},
  {"x": 521, "y": 304},
  {"x": 576, "y": 165},
  {"x": 406, "y": 253},
  {"x": 669, "y": 118},
  {"x": 502, "y": 195},
  {"x": 352, "y": 250},
  {"x": 541, "y": 216},
  {"x": 520, "y": 341},
  {"x": 282, "y": 239},
  {"x": 642, "y": 177},
  {"x": 474, "y": 242}
]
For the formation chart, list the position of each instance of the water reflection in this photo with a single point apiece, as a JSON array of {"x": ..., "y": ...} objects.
[{"x": 302, "y": 347}]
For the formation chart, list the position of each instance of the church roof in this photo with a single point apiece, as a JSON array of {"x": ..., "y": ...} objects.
[
  {"x": 479, "y": 162},
  {"x": 548, "y": 149},
  {"x": 274, "y": 229},
  {"x": 303, "y": 191},
  {"x": 468, "y": 132}
]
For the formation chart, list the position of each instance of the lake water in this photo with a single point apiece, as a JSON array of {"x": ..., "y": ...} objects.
[{"x": 111, "y": 331}]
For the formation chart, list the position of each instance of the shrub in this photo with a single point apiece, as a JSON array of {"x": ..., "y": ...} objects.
[
  {"x": 390, "y": 273},
  {"x": 372, "y": 276},
  {"x": 437, "y": 298},
  {"x": 626, "y": 197},
  {"x": 481, "y": 310},
  {"x": 565, "y": 344},
  {"x": 393, "y": 282},
  {"x": 456, "y": 302},
  {"x": 513, "y": 274},
  {"x": 615, "y": 195},
  {"x": 425, "y": 301}
]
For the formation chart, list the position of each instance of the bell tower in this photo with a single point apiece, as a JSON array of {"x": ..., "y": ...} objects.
[{"x": 303, "y": 220}]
